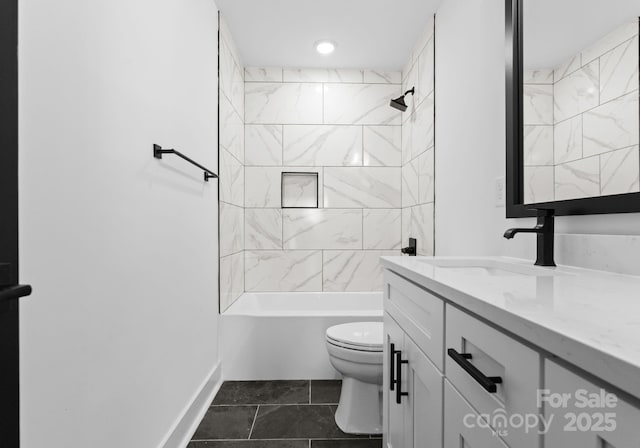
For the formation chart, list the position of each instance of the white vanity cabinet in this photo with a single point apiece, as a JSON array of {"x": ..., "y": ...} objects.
[
  {"x": 455, "y": 379},
  {"x": 393, "y": 413},
  {"x": 412, "y": 382},
  {"x": 424, "y": 399},
  {"x": 413, "y": 403},
  {"x": 461, "y": 428},
  {"x": 493, "y": 354},
  {"x": 584, "y": 415}
]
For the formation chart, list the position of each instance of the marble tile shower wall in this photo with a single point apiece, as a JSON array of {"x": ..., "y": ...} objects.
[
  {"x": 581, "y": 122},
  {"x": 336, "y": 123},
  {"x": 231, "y": 163},
  {"x": 418, "y": 146}
]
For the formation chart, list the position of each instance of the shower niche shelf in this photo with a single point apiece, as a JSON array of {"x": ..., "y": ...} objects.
[{"x": 299, "y": 190}]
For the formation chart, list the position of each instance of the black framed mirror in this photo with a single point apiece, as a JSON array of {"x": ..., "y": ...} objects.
[{"x": 573, "y": 106}]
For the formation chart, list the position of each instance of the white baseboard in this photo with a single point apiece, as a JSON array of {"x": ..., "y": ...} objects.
[{"x": 186, "y": 426}]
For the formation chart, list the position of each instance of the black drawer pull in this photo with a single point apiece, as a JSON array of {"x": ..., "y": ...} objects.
[
  {"x": 392, "y": 366},
  {"x": 399, "y": 362},
  {"x": 487, "y": 382}
]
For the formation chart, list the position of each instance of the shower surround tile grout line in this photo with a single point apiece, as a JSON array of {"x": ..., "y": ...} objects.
[
  {"x": 272, "y": 404},
  {"x": 306, "y": 166},
  {"x": 325, "y": 82},
  {"x": 261, "y": 440},
  {"x": 352, "y": 125}
]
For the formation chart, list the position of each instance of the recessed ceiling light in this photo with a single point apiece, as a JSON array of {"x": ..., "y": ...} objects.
[{"x": 325, "y": 47}]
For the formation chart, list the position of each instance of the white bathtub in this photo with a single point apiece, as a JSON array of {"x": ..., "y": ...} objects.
[{"x": 282, "y": 335}]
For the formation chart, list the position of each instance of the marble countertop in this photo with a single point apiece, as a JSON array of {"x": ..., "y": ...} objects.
[{"x": 588, "y": 318}]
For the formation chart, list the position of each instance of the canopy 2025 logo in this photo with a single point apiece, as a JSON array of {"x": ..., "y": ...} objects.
[{"x": 585, "y": 411}]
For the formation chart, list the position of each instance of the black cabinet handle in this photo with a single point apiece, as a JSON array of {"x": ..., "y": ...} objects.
[
  {"x": 487, "y": 382},
  {"x": 399, "y": 362},
  {"x": 392, "y": 366}
]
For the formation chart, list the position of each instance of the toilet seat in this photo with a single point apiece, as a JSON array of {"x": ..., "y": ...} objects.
[{"x": 360, "y": 336}]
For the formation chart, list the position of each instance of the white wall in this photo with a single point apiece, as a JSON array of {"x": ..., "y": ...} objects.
[
  {"x": 470, "y": 136},
  {"x": 121, "y": 249},
  {"x": 470, "y": 129}
]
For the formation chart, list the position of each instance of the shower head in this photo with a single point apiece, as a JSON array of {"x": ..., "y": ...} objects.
[{"x": 399, "y": 103}]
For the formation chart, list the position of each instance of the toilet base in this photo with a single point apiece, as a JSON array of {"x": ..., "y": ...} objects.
[{"x": 360, "y": 408}]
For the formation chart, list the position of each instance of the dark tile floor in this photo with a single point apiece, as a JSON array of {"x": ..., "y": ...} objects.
[{"x": 276, "y": 414}]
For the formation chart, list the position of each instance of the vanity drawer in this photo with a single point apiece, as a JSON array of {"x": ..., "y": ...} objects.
[
  {"x": 607, "y": 424},
  {"x": 463, "y": 427},
  {"x": 475, "y": 351},
  {"x": 419, "y": 313}
]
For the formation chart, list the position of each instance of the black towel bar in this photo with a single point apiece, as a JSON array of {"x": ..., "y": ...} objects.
[
  {"x": 158, "y": 151},
  {"x": 14, "y": 292}
]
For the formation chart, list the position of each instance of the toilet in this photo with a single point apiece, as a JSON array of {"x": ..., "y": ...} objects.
[{"x": 355, "y": 350}]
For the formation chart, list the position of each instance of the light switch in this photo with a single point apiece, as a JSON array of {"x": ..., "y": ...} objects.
[{"x": 500, "y": 192}]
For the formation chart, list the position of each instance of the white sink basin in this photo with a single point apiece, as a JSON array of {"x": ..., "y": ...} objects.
[{"x": 491, "y": 268}]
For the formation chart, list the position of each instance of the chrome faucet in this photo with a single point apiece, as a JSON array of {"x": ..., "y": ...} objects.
[{"x": 545, "y": 231}]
